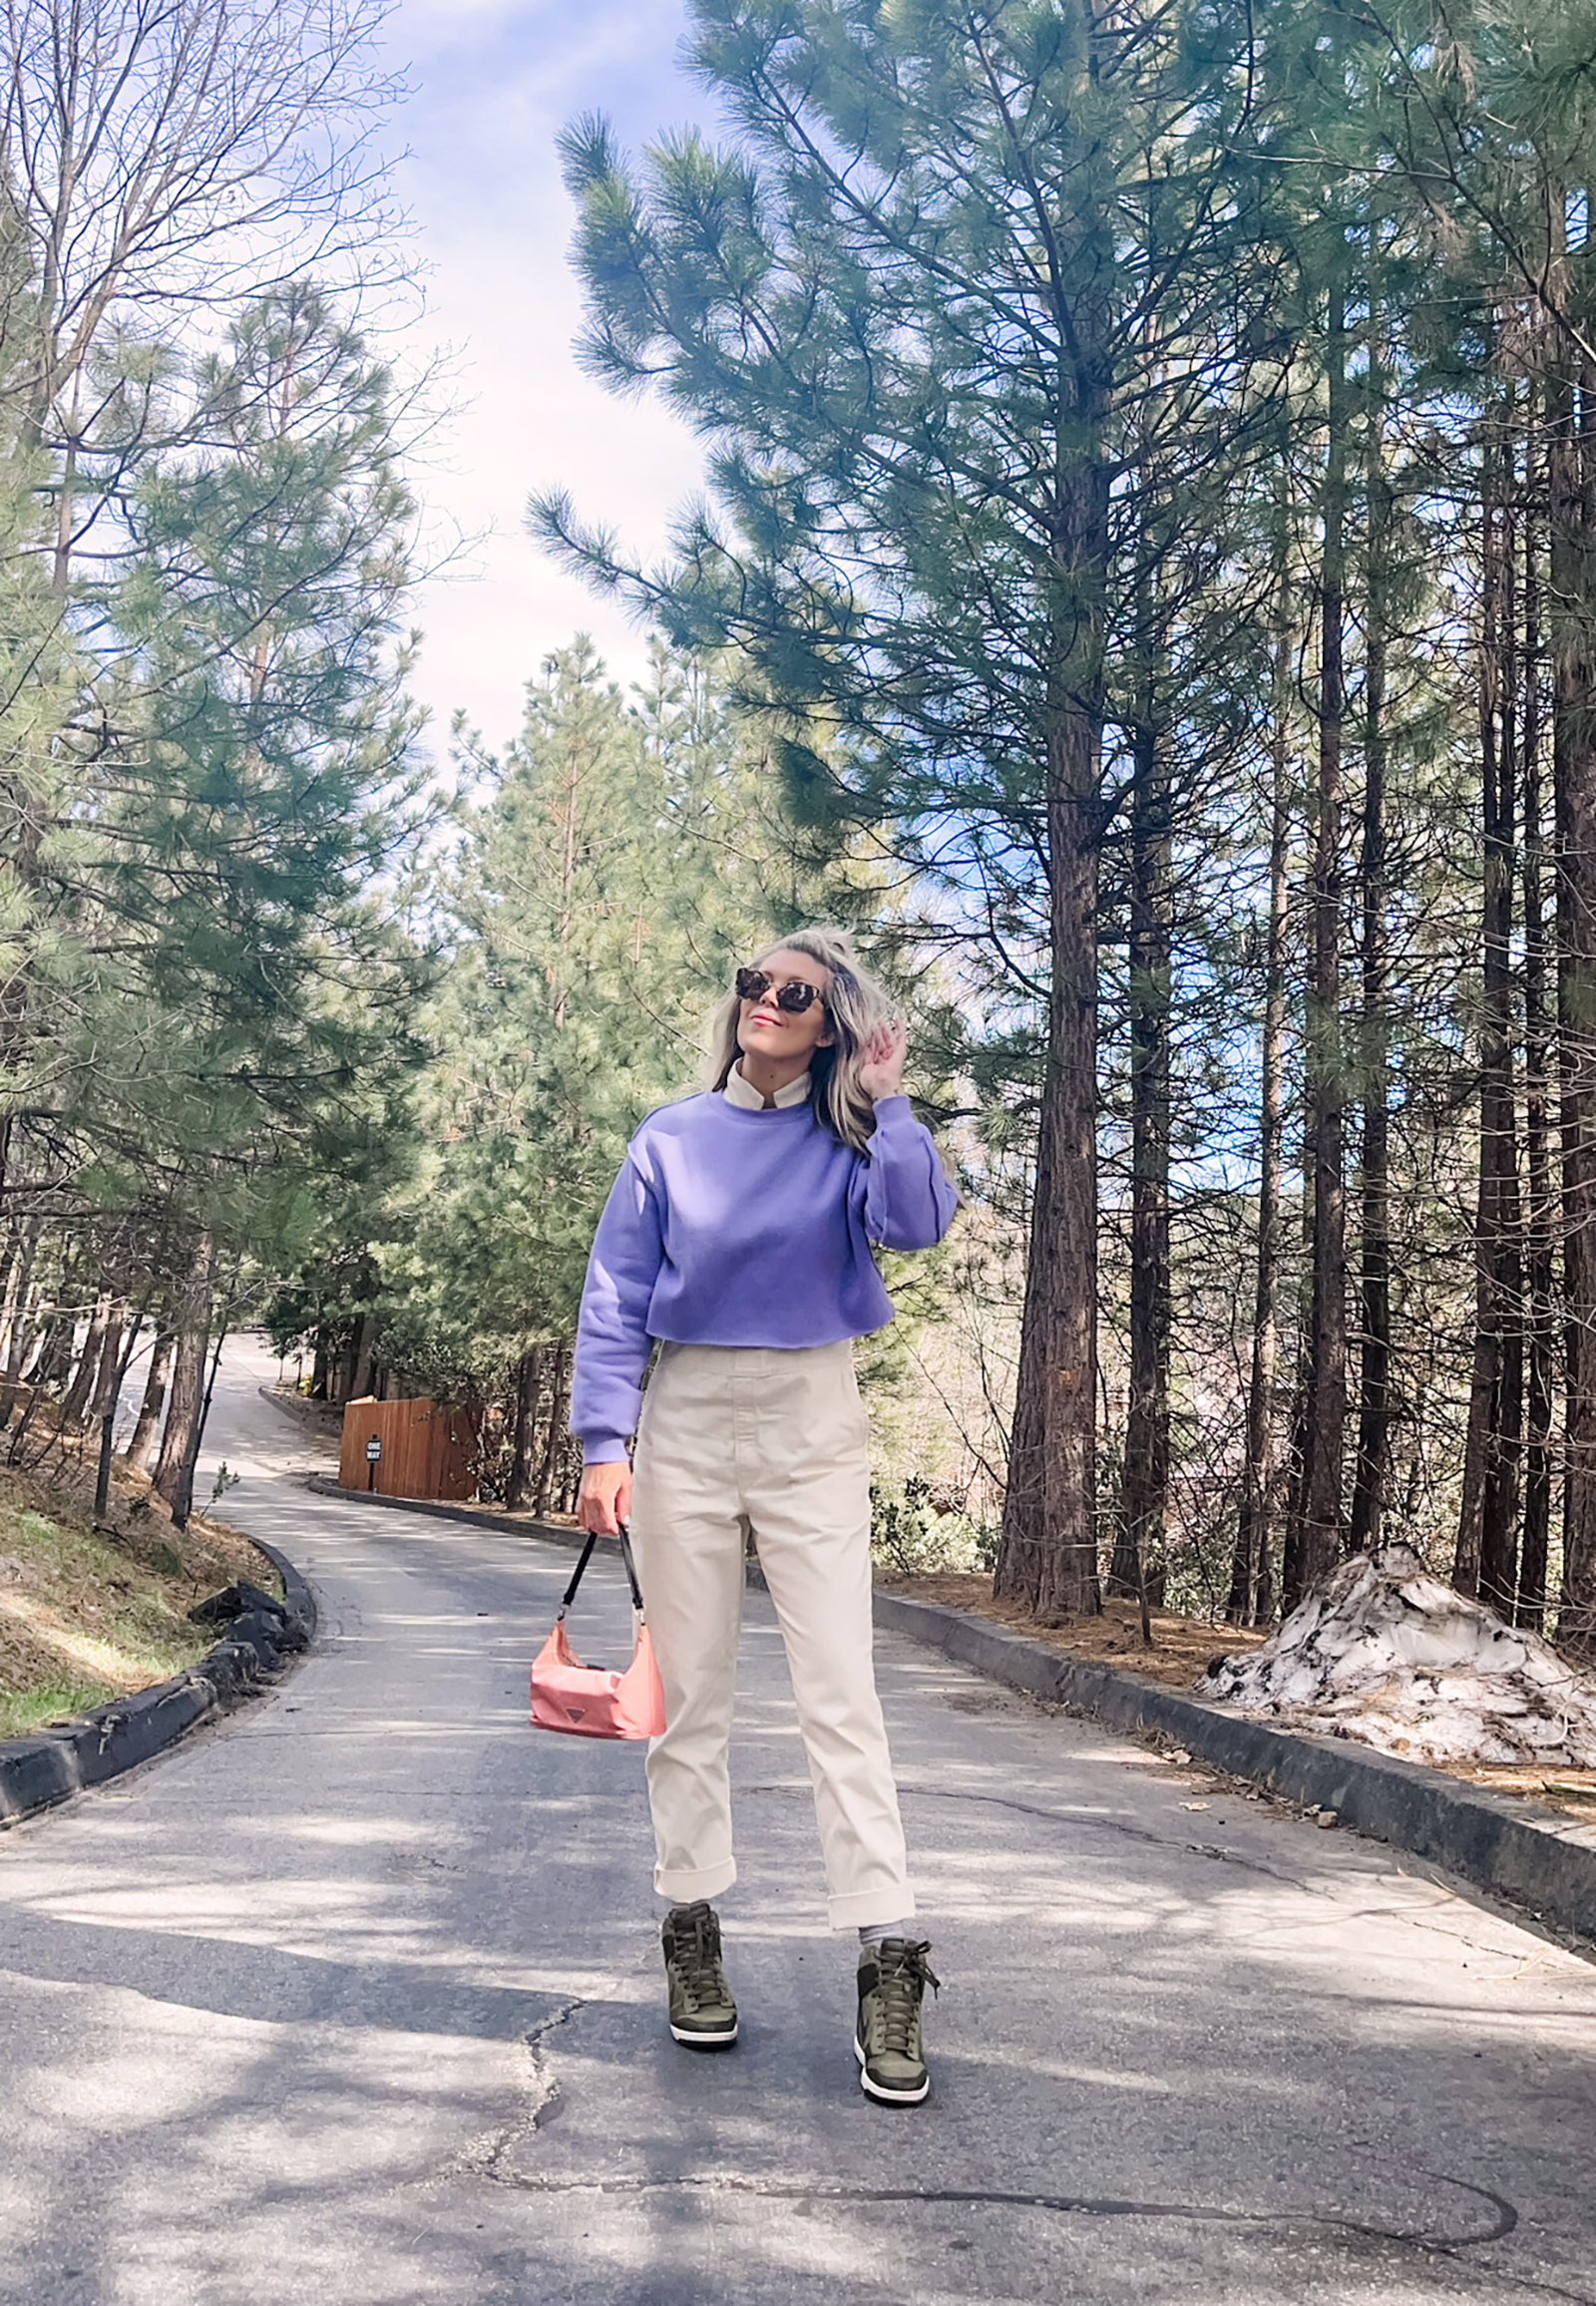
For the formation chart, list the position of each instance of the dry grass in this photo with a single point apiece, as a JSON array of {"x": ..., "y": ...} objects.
[
  {"x": 86, "y": 1616},
  {"x": 1571, "y": 1791}
]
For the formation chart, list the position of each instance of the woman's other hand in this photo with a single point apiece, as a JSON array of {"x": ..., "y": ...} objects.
[
  {"x": 604, "y": 1501},
  {"x": 881, "y": 1065}
]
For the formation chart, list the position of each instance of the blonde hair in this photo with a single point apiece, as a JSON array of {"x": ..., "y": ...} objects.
[{"x": 855, "y": 1005}]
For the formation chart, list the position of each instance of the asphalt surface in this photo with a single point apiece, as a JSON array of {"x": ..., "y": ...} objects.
[{"x": 357, "y": 1998}]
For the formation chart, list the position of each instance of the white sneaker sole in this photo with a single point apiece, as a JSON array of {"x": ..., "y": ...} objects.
[
  {"x": 888, "y": 2096},
  {"x": 704, "y": 2040}
]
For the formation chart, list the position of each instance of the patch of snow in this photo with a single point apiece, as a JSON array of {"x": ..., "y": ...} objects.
[{"x": 1384, "y": 1651}]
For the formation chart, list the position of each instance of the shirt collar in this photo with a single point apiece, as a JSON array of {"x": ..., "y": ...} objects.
[{"x": 740, "y": 1092}]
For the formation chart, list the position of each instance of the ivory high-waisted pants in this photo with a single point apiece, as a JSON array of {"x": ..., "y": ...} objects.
[{"x": 740, "y": 1437}]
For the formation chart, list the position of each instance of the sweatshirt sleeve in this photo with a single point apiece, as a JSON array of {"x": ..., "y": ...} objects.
[
  {"x": 909, "y": 1202},
  {"x": 612, "y": 1341}
]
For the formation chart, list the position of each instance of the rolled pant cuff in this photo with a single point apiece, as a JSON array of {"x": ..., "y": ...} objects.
[
  {"x": 861, "y": 1909},
  {"x": 685, "y": 1889}
]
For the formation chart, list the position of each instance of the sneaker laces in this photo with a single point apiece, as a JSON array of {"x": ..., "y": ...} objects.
[
  {"x": 695, "y": 1949},
  {"x": 900, "y": 1983}
]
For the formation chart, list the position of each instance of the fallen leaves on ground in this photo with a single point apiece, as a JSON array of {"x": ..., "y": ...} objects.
[{"x": 1182, "y": 1647}]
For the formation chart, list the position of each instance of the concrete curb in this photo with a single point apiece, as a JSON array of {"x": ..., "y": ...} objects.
[
  {"x": 310, "y": 1416},
  {"x": 547, "y": 1532},
  {"x": 1519, "y": 1850},
  {"x": 38, "y": 1772}
]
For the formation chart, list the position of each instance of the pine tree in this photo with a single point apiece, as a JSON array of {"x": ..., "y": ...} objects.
[
  {"x": 613, "y": 871},
  {"x": 909, "y": 307}
]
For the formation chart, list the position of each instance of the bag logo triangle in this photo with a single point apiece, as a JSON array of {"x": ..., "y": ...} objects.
[{"x": 576, "y": 1712}]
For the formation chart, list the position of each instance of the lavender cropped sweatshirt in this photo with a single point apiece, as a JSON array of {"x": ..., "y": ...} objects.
[{"x": 729, "y": 1225}]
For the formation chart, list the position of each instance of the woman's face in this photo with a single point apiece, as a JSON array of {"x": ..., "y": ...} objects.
[{"x": 763, "y": 1030}]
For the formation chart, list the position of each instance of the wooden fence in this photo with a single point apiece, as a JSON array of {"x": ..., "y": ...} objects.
[{"x": 426, "y": 1451}]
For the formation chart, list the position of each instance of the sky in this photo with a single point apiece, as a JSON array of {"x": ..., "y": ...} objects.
[{"x": 493, "y": 82}]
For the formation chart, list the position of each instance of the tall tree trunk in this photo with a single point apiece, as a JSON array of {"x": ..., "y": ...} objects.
[
  {"x": 52, "y": 1365},
  {"x": 1319, "y": 1534},
  {"x": 108, "y": 1377},
  {"x": 1540, "y": 1211},
  {"x": 75, "y": 1406},
  {"x": 18, "y": 1309},
  {"x": 559, "y": 1405},
  {"x": 180, "y": 1437},
  {"x": 529, "y": 1392},
  {"x": 1574, "y": 775},
  {"x": 12, "y": 1300},
  {"x": 1049, "y": 1552},
  {"x": 1140, "y": 1543},
  {"x": 1291, "y": 1554},
  {"x": 1048, "y": 1556},
  {"x": 147, "y": 1421},
  {"x": 1484, "y": 1562},
  {"x": 364, "y": 1358},
  {"x": 1498, "y": 1554},
  {"x": 1251, "y": 1598},
  {"x": 1372, "y": 1473},
  {"x": 8, "y": 1266}
]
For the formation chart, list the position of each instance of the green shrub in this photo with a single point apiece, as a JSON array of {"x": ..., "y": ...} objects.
[{"x": 918, "y": 1531}]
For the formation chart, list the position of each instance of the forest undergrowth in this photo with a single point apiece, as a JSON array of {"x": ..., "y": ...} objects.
[{"x": 87, "y": 1614}]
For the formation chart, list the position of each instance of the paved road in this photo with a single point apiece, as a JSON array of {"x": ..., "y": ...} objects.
[{"x": 357, "y": 2000}]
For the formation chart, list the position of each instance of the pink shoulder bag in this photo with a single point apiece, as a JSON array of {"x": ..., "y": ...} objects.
[{"x": 586, "y": 1701}]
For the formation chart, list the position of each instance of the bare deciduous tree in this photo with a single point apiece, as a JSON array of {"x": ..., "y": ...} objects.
[{"x": 168, "y": 159}]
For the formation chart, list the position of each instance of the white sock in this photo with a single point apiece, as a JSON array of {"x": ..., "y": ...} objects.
[{"x": 872, "y": 1933}]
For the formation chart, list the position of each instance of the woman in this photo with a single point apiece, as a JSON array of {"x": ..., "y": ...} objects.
[{"x": 738, "y": 1236}]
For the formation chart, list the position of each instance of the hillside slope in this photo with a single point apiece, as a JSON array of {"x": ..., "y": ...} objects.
[{"x": 86, "y": 1615}]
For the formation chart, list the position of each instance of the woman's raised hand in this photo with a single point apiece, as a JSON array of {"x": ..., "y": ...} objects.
[
  {"x": 604, "y": 1501},
  {"x": 881, "y": 1066}
]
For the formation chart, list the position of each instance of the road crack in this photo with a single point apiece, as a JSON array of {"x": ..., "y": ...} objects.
[
  {"x": 1502, "y": 2219},
  {"x": 486, "y": 2159},
  {"x": 1117, "y": 1825}
]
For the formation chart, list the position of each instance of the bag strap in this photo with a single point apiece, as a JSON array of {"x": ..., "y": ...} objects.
[
  {"x": 587, "y": 1556},
  {"x": 570, "y": 1594}
]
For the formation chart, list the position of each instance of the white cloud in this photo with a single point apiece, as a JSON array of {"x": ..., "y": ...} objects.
[{"x": 494, "y": 81}]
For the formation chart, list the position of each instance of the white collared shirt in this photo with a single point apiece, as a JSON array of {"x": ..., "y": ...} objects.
[{"x": 740, "y": 1092}]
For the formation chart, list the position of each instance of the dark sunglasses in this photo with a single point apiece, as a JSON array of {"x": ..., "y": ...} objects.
[{"x": 794, "y": 997}]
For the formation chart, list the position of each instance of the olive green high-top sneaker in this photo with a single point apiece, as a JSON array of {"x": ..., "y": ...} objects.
[
  {"x": 893, "y": 1978},
  {"x": 702, "y": 2012}
]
